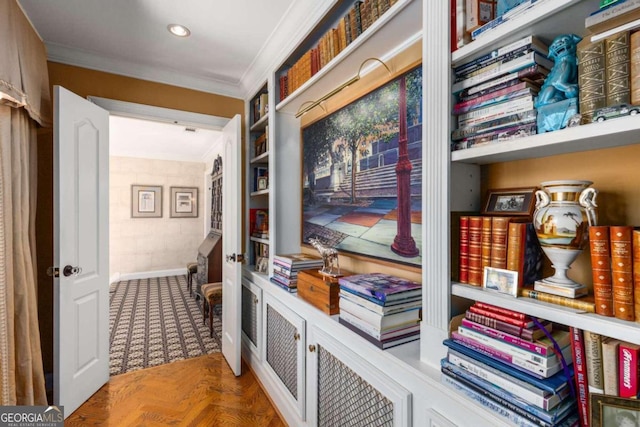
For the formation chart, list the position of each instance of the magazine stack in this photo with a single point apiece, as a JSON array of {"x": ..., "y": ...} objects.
[
  {"x": 286, "y": 267},
  {"x": 518, "y": 366},
  {"x": 496, "y": 92},
  {"x": 384, "y": 309}
]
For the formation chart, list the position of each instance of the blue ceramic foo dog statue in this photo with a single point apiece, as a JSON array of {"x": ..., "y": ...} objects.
[{"x": 557, "y": 100}]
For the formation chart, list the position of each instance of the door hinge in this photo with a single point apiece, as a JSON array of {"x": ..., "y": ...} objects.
[{"x": 53, "y": 272}]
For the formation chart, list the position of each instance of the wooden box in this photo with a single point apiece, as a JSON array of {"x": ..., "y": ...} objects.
[{"x": 319, "y": 290}]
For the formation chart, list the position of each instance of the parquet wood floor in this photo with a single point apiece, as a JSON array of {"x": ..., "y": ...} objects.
[{"x": 195, "y": 392}]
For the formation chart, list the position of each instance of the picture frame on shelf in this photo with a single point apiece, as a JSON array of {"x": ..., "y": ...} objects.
[
  {"x": 614, "y": 411},
  {"x": 510, "y": 202},
  {"x": 351, "y": 179},
  {"x": 262, "y": 264},
  {"x": 500, "y": 280},
  {"x": 263, "y": 183},
  {"x": 184, "y": 202},
  {"x": 146, "y": 201}
]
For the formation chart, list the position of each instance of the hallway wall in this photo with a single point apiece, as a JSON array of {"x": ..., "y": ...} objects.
[{"x": 147, "y": 245}]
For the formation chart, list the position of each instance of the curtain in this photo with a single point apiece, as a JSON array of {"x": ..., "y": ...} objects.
[
  {"x": 22, "y": 381},
  {"x": 25, "y": 102}
]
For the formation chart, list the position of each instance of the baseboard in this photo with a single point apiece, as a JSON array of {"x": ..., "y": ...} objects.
[{"x": 150, "y": 274}]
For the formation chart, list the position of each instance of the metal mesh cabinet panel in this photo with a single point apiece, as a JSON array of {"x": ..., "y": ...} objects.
[
  {"x": 282, "y": 352},
  {"x": 345, "y": 399},
  {"x": 249, "y": 315}
]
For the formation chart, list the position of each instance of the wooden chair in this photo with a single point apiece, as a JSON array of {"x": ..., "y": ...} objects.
[
  {"x": 211, "y": 296},
  {"x": 192, "y": 270}
]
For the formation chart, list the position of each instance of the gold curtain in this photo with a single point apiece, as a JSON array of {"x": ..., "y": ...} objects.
[{"x": 24, "y": 101}]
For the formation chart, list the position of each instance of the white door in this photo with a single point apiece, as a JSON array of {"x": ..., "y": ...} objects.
[
  {"x": 81, "y": 246},
  {"x": 232, "y": 244}
]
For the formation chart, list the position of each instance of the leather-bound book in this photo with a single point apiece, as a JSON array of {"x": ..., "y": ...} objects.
[
  {"x": 636, "y": 272},
  {"x": 524, "y": 253},
  {"x": 634, "y": 66},
  {"x": 499, "y": 232},
  {"x": 617, "y": 65},
  {"x": 601, "y": 269},
  {"x": 463, "y": 263},
  {"x": 486, "y": 241},
  {"x": 591, "y": 77},
  {"x": 621, "y": 271},
  {"x": 475, "y": 250}
]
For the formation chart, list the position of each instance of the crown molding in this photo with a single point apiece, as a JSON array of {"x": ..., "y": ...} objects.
[
  {"x": 66, "y": 55},
  {"x": 296, "y": 22}
]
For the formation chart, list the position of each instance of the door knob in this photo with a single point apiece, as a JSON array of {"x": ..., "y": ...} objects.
[{"x": 71, "y": 271}]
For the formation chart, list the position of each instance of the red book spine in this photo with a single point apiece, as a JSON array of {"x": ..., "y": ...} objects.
[
  {"x": 636, "y": 273},
  {"x": 475, "y": 250},
  {"x": 601, "y": 269},
  {"x": 621, "y": 271},
  {"x": 500, "y": 325},
  {"x": 498, "y": 316},
  {"x": 500, "y": 310},
  {"x": 464, "y": 250},
  {"x": 628, "y": 365},
  {"x": 499, "y": 230},
  {"x": 580, "y": 375}
]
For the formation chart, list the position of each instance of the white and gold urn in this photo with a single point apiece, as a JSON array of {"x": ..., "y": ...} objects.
[{"x": 564, "y": 211}]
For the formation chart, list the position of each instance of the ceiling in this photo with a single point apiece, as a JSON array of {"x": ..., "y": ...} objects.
[{"x": 130, "y": 37}]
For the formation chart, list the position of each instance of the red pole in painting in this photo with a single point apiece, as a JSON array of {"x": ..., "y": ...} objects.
[{"x": 403, "y": 244}]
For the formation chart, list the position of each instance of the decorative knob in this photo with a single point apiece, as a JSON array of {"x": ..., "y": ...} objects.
[
  {"x": 296, "y": 336},
  {"x": 312, "y": 348}
]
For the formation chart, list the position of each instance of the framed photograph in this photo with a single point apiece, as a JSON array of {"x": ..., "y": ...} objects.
[
  {"x": 500, "y": 280},
  {"x": 146, "y": 201},
  {"x": 355, "y": 198},
  {"x": 614, "y": 411},
  {"x": 263, "y": 183},
  {"x": 184, "y": 202},
  {"x": 262, "y": 264},
  {"x": 510, "y": 202}
]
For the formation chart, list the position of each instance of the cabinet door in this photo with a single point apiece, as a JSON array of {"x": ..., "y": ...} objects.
[
  {"x": 284, "y": 353},
  {"x": 345, "y": 389},
  {"x": 252, "y": 318}
]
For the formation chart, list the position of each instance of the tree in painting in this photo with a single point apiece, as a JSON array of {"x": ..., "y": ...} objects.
[{"x": 362, "y": 174}]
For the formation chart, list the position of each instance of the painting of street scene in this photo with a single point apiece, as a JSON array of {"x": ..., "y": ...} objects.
[{"x": 362, "y": 174}]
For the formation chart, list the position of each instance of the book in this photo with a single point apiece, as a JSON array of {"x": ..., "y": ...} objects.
[
  {"x": 486, "y": 242},
  {"x": 386, "y": 343},
  {"x": 535, "y": 74},
  {"x": 629, "y": 357},
  {"x": 635, "y": 244},
  {"x": 593, "y": 358},
  {"x": 621, "y": 271},
  {"x": 528, "y": 334},
  {"x": 516, "y": 119},
  {"x": 495, "y": 136},
  {"x": 499, "y": 231},
  {"x": 283, "y": 286},
  {"x": 463, "y": 276},
  {"x": 509, "y": 66},
  {"x": 585, "y": 303},
  {"x": 543, "y": 346},
  {"x": 369, "y": 329},
  {"x": 553, "y": 384},
  {"x": 524, "y": 253},
  {"x": 610, "y": 359},
  {"x": 529, "y": 392},
  {"x": 514, "y": 360},
  {"x": 381, "y": 321},
  {"x": 521, "y": 323},
  {"x": 395, "y": 307},
  {"x": 601, "y": 269},
  {"x": 580, "y": 377},
  {"x": 298, "y": 260},
  {"x": 513, "y": 350},
  {"x": 495, "y": 111},
  {"x": 518, "y": 89},
  {"x": 501, "y": 310},
  {"x": 496, "y": 61},
  {"x": 591, "y": 77},
  {"x": 634, "y": 67},
  {"x": 616, "y": 58},
  {"x": 475, "y": 250},
  {"x": 614, "y": 16},
  {"x": 509, "y": 400},
  {"x": 382, "y": 287}
]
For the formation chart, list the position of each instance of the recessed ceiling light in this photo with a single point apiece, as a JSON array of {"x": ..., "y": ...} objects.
[{"x": 178, "y": 30}]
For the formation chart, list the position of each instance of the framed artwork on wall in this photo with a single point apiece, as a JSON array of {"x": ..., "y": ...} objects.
[
  {"x": 146, "y": 201},
  {"x": 362, "y": 169},
  {"x": 184, "y": 202}
]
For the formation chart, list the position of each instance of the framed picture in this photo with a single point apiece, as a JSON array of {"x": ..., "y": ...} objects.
[
  {"x": 263, "y": 183},
  {"x": 614, "y": 411},
  {"x": 146, "y": 201},
  {"x": 510, "y": 202},
  {"x": 355, "y": 198},
  {"x": 262, "y": 264},
  {"x": 500, "y": 280},
  {"x": 184, "y": 202}
]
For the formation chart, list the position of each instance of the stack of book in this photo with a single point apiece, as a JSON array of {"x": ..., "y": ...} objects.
[
  {"x": 502, "y": 359},
  {"x": 496, "y": 93},
  {"x": 383, "y": 309},
  {"x": 286, "y": 267}
]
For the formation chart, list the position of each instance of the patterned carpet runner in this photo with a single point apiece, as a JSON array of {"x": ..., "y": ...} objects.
[{"x": 155, "y": 321}]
